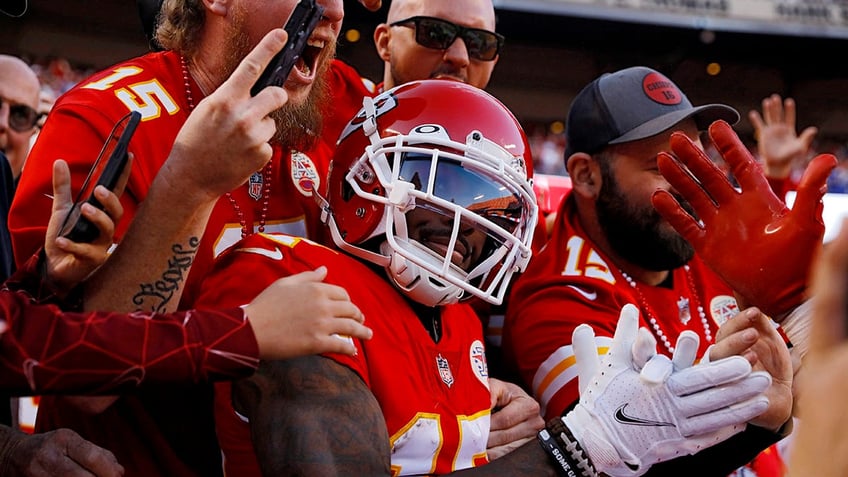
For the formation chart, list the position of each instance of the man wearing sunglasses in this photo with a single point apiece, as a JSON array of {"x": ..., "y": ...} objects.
[
  {"x": 19, "y": 92},
  {"x": 421, "y": 40}
]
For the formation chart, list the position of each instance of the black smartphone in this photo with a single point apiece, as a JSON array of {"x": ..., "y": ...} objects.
[
  {"x": 303, "y": 20},
  {"x": 105, "y": 171}
]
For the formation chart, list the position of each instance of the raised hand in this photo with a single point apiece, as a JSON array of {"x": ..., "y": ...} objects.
[
  {"x": 628, "y": 420},
  {"x": 219, "y": 162},
  {"x": 750, "y": 238},
  {"x": 778, "y": 143},
  {"x": 515, "y": 418},
  {"x": 322, "y": 324},
  {"x": 68, "y": 263}
]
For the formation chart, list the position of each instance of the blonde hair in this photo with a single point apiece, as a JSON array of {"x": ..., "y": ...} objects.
[{"x": 179, "y": 24}]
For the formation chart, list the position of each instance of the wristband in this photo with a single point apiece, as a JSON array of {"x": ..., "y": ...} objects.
[
  {"x": 565, "y": 439},
  {"x": 563, "y": 466}
]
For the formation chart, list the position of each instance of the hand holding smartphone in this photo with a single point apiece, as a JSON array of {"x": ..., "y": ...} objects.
[
  {"x": 303, "y": 20},
  {"x": 105, "y": 171}
]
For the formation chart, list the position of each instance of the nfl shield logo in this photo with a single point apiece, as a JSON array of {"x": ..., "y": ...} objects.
[
  {"x": 444, "y": 370},
  {"x": 254, "y": 187}
]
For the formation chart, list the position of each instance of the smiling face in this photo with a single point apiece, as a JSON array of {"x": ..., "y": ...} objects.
[{"x": 433, "y": 228}]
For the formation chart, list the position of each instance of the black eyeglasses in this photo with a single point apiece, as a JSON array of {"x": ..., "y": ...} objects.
[
  {"x": 22, "y": 118},
  {"x": 440, "y": 34}
]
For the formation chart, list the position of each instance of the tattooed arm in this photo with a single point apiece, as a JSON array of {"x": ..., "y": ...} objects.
[
  {"x": 147, "y": 271},
  {"x": 313, "y": 416}
]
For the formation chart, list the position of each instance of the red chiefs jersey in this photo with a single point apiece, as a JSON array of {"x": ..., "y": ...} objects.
[
  {"x": 155, "y": 86},
  {"x": 154, "y": 431},
  {"x": 45, "y": 349},
  {"x": 434, "y": 396},
  {"x": 572, "y": 282},
  {"x": 347, "y": 89}
]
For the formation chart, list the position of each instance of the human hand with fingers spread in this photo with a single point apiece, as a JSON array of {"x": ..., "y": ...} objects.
[
  {"x": 778, "y": 143},
  {"x": 779, "y": 243}
]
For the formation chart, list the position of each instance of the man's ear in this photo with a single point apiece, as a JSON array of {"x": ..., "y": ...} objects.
[
  {"x": 585, "y": 173},
  {"x": 381, "y": 40},
  {"x": 217, "y": 7}
]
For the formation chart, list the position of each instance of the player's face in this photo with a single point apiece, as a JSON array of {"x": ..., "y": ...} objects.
[
  {"x": 635, "y": 230},
  {"x": 410, "y": 61},
  {"x": 307, "y": 85},
  {"x": 433, "y": 229}
]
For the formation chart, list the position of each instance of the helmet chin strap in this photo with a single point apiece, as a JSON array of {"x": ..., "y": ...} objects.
[{"x": 417, "y": 283}]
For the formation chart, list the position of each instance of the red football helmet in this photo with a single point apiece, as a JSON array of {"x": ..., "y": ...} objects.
[{"x": 450, "y": 150}]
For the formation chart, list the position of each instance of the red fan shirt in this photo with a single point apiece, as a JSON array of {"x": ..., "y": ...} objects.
[{"x": 572, "y": 282}]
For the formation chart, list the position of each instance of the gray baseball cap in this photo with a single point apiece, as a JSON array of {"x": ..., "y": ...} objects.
[{"x": 631, "y": 104}]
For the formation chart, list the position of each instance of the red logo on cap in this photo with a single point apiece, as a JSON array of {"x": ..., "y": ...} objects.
[{"x": 661, "y": 89}]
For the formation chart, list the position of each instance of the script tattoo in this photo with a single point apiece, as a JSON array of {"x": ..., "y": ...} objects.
[{"x": 155, "y": 296}]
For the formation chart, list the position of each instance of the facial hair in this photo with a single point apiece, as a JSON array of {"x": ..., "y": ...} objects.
[
  {"x": 298, "y": 125},
  {"x": 638, "y": 233}
]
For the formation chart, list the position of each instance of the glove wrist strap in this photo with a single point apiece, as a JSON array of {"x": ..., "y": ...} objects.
[
  {"x": 565, "y": 452},
  {"x": 563, "y": 465}
]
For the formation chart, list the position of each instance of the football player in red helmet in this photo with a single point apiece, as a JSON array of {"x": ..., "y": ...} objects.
[
  {"x": 429, "y": 201},
  {"x": 397, "y": 165}
]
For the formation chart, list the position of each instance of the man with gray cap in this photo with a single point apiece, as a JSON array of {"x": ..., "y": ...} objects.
[{"x": 610, "y": 247}]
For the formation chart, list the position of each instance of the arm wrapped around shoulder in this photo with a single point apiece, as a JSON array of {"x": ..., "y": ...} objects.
[{"x": 630, "y": 417}]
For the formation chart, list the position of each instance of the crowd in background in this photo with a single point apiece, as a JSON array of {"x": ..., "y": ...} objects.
[{"x": 547, "y": 140}]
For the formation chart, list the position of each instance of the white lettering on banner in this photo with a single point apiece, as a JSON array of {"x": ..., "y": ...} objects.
[{"x": 823, "y": 18}]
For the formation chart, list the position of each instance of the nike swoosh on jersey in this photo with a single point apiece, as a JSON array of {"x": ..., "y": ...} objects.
[
  {"x": 587, "y": 295},
  {"x": 623, "y": 418},
  {"x": 275, "y": 254}
]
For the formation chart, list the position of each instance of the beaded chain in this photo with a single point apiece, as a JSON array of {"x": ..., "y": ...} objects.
[
  {"x": 661, "y": 335},
  {"x": 266, "y": 172}
]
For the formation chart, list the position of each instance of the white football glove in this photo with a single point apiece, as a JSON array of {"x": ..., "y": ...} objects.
[{"x": 631, "y": 416}]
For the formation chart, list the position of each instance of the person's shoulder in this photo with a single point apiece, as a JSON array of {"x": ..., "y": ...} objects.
[
  {"x": 136, "y": 83},
  {"x": 347, "y": 75}
]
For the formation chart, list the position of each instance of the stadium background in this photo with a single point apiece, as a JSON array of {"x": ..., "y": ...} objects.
[{"x": 553, "y": 48}]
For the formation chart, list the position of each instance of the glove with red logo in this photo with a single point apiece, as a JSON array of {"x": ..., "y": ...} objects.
[
  {"x": 630, "y": 417},
  {"x": 750, "y": 238}
]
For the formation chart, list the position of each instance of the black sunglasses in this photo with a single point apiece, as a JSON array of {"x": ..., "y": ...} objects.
[
  {"x": 440, "y": 34},
  {"x": 22, "y": 118}
]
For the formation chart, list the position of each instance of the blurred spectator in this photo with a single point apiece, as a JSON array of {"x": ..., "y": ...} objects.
[{"x": 547, "y": 148}]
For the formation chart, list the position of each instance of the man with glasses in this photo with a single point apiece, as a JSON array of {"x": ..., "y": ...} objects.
[
  {"x": 19, "y": 96},
  {"x": 19, "y": 91},
  {"x": 421, "y": 39}
]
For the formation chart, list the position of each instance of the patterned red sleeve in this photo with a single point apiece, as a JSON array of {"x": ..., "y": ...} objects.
[{"x": 45, "y": 350}]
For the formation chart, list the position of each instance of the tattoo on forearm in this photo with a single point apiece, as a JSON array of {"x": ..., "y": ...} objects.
[{"x": 154, "y": 297}]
